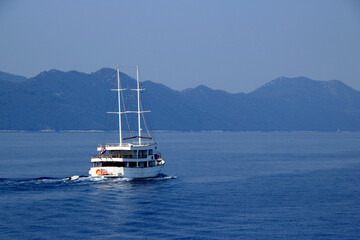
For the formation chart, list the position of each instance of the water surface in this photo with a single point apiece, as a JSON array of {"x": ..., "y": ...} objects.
[{"x": 241, "y": 185}]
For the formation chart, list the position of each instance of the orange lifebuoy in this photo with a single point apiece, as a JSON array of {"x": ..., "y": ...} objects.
[{"x": 98, "y": 172}]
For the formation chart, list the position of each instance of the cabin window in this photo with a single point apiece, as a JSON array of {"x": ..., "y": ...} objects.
[
  {"x": 132, "y": 164},
  {"x": 150, "y": 152},
  {"x": 143, "y": 164},
  {"x": 110, "y": 164},
  {"x": 114, "y": 153},
  {"x": 151, "y": 163},
  {"x": 142, "y": 153},
  {"x": 123, "y": 153},
  {"x": 128, "y": 153}
]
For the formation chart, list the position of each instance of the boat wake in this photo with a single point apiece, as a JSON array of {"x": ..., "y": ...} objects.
[{"x": 76, "y": 179}]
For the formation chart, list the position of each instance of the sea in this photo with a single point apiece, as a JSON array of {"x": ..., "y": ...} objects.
[{"x": 215, "y": 185}]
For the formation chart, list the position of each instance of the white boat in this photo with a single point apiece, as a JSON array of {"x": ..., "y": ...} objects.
[{"x": 132, "y": 157}]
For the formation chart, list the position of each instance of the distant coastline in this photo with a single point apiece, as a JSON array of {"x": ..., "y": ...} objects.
[
  {"x": 168, "y": 131},
  {"x": 57, "y": 100}
]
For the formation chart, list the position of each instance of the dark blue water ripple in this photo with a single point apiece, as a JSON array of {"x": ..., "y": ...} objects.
[{"x": 282, "y": 188}]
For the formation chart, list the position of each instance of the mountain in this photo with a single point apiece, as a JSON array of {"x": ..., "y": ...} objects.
[
  {"x": 304, "y": 104},
  {"x": 79, "y": 101},
  {"x": 11, "y": 77}
]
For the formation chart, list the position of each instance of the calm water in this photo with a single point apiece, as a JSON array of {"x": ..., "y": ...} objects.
[{"x": 215, "y": 186}]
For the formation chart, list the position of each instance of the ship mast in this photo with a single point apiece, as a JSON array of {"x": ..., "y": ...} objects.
[
  {"x": 138, "y": 89},
  {"x": 138, "y": 103},
  {"x": 118, "y": 77},
  {"x": 119, "y": 104}
]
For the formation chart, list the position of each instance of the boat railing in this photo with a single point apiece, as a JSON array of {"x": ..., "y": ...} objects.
[
  {"x": 118, "y": 156},
  {"x": 145, "y": 143}
]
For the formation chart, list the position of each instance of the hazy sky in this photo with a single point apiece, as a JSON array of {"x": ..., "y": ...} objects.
[{"x": 231, "y": 45}]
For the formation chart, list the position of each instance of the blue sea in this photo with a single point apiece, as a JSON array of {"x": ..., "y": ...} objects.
[{"x": 215, "y": 185}]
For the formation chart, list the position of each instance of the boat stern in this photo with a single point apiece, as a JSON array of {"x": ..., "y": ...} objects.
[{"x": 106, "y": 172}]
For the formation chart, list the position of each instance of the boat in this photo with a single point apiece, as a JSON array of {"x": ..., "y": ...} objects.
[{"x": 132, "y": 157}]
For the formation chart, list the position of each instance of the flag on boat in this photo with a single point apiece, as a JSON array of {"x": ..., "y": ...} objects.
[{"x": 103, "y": 151}]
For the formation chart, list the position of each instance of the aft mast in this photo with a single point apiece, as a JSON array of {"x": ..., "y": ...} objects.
[
  {"x": 118, "y": 77},
  {"x": 138, "y": 102},
  {"x": 139, "y": 112}
]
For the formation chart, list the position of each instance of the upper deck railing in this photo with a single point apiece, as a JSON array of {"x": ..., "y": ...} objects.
[
  {"x": 143, "y": 144},
  {"x": 132, "y": 156},
  {"x": 116, "y": 156}
]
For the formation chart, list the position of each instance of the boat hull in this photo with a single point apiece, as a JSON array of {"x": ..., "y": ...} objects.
[{"x": 125, "y": 172}]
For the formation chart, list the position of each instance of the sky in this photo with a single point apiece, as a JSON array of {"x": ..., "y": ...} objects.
[{"x": 235, "y": 46}]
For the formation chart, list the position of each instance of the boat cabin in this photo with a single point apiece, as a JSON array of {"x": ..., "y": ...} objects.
[{"x": 127, "y": 155}]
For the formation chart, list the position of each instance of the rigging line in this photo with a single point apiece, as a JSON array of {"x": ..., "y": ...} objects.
[
  {"x": 149, "y": 122},
  {"x": 143, "y": 117},
  {"x": 106, "y": 118},
  {"x": 142, "y": 99},
  {"x": 146, "y": 127},
  {"x": 133, "y": 97},
  {"x": 130, "y": 123},
  {"x": 111, "y": 119},
  {"x": 126, "y": 117},
  {"x": 151, "y": 125}
]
